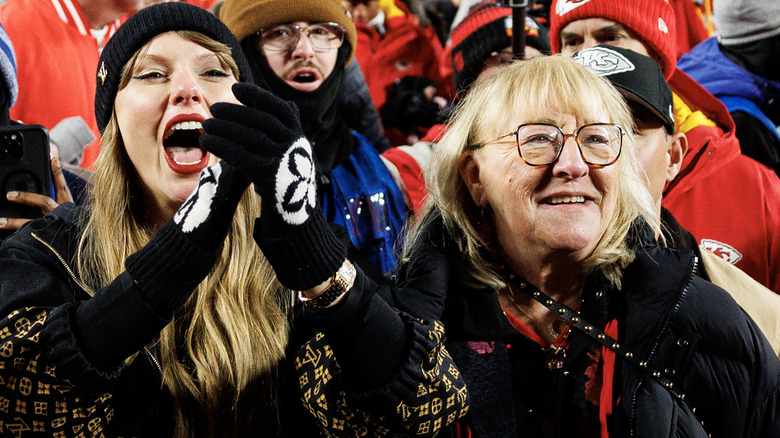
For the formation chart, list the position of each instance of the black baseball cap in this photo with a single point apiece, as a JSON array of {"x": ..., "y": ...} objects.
[{"x": 638, "y": 77}]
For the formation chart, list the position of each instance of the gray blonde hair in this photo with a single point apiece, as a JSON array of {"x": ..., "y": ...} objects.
[
  {"x": 533, "y": 86},
  {"x": 220, "y": 353}
]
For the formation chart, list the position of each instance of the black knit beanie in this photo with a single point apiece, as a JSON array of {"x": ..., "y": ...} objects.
[
  {"x": 142, "y": 27},
  {"x": 487, "y": 28}
]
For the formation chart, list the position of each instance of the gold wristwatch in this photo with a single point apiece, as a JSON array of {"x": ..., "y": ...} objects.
[{"x": 340, "y": 284}]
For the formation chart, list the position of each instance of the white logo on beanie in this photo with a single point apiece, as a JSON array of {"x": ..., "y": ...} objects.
[
  {"x": 566, "y": 6},
  {"x": 603, "y": 61},
  {"x": 197, "y": 207},
  {"x": 662, "y": 25},
  {"x": 296, "y": 191}
]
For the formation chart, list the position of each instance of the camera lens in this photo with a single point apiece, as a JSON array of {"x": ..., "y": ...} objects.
[{"x": 11, "y": 149}]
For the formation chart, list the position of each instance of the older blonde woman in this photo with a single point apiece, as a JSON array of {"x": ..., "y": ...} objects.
[{"x": 561, "y": 311}]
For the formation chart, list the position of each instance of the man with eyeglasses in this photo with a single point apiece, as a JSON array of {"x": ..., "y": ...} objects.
[
  {"x": 298, "y": 50},
  {"x": 661, "y": 150}
]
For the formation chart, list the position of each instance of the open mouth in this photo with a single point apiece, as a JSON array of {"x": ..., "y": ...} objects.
[
  {"x": 182, "y": 150},
  {"x": 304, "y": 77},
  {"x": 303, "y": 73}
]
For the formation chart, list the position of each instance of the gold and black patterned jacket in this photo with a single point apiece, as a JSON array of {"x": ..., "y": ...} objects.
[{"x": 393, "y": 376}]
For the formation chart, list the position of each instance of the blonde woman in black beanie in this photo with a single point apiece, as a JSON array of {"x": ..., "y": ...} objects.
[{"x": 153, "y": 311}]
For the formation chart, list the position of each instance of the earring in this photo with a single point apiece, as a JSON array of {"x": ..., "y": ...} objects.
[{"x": 481, "y": 219}]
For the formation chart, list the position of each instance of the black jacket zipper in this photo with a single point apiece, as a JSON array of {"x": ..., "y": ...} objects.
[
  {"x": 657, "y": 342},
  {"x": 89, "y": 292}
]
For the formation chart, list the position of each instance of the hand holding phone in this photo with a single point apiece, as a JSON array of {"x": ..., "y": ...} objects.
[{"x": 26, "y": 176}]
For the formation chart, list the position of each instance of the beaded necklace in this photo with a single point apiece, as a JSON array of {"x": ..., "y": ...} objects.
[{"x": 556, "y": 352}]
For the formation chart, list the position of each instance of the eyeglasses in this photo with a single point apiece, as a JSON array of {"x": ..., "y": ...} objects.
[
  {"x": 540, "y": 144},
  {"x": 322, "y": 36}
]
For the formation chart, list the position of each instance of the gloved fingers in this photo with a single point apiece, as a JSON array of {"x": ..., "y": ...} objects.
[
  {"x": 226, "y": 150},
  {"x": 231, "y": 178},
  {"x": 258, "y": 121},
  {"x": 254, "y": 141},
  {"x": 255, "y": 97},
  {"x": 237, "y": 155}
]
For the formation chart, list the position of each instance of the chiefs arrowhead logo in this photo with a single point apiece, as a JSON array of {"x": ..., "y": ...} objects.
[
  {"x": 722, "y": 250},
  {"x": 566, "y": 6},
  {"x": 603, "y": 62},
  {"x": 662, "y": 25}
]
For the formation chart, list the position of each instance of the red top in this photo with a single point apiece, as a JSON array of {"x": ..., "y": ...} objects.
[{"x": 605, "y": 392}]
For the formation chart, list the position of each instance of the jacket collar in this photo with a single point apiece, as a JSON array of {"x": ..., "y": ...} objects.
[{"x": 70, "y": 12}]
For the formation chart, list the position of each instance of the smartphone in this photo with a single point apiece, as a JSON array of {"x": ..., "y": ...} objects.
[{"x": 24, "y": 167}]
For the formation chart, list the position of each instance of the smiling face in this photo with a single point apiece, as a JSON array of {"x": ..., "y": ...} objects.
[
  {"x": 545, "y": 211},
  {"x": 159, "y": 113},
  {"x": 303, "y": 67}
]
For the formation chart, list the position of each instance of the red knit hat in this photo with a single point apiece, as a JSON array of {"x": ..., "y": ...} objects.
[
  {"x": 487, "y": 28},
  {"x": 652, "y": 21}
]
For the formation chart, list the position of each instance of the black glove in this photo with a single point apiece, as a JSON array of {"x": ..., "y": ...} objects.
[
  {"x": 408, "y": 106},
  {"x": 182, "y": 251},
  {"x": 263, "y": 138}
]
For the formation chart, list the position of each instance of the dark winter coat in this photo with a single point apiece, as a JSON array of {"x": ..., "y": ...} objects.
[{"x": 689, "y": 329}]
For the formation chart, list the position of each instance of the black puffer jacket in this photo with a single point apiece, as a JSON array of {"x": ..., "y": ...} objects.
[{"x": 689, "y": 329}]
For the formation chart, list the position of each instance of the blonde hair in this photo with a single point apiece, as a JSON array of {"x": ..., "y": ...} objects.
[
  {"x": 220, "y": 353},
  {"x": 533, "y": 87}
]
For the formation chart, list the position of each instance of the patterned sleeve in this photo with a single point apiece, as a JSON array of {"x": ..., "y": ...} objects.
[
  {"x": 425, "y": 395},
  {"x": 34, "y": 399},
  {"x": 50, "y": 385}
]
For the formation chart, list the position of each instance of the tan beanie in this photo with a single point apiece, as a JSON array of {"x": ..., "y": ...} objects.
[{"x": 247, "y": 17}]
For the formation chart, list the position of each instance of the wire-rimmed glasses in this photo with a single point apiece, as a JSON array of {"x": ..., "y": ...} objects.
[
  {"x": 540, "y": 144},
  {"x": 322, "y": 36}
]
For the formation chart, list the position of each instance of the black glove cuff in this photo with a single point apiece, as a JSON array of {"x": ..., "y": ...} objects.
[
  {"x": 169, "y": 267},
  {"x": 305, "y": 257}
]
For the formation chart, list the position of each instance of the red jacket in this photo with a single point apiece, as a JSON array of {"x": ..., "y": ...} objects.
[
  {"x": 690, "y": 25},
  {"x": 57, "y": 60},
  {"x": 410, "y": 160},
  {"x": 406, "y": 49},
  {"x": 730, "y": 202},
  {"x": 205, "y": 4}
]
